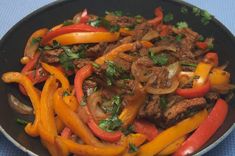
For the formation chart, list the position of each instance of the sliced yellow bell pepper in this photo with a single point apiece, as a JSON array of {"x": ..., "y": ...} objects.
[
  {"x": 122, "y": 48},
  {"x": 219, "y": 77},
  {"x": 72, "y": 121},
  {"x": 172, "y": 134},
  {"x": 10, "y": 77},
  {"x": 71, "y": 101},
  {"x": 202, "y": 71},
  {"x": 126, "y": 31},
  {"x": 173, "y": 147},
  {"x": 134, "y": 103},
  {"x": 86, "y": 37},
  {"x": 58, "y": 75},
  {"x": 89, "y": 150}
]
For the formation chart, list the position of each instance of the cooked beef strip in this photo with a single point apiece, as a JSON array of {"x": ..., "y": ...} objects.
[
  {"x": 122, "y": 21},
  {"x": 96, "y": 50},
  {"x": 79, "y": 63},
  {"x": 51, "y": 56},
  {"x": 212, "y": 97},
  {"x": 88, "y": 86}
]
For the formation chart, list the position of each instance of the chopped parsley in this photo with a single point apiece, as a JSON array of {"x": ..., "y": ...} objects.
[
  {"x": 21, "y": 121},
  {"x": 65, "y": 93},
  {"x": 196, "y": 11},
  {"x": 158, "y": 59},
  {"x": 210, "y": 46},
  {"x": 68, "y": 22},
  {"x": 184, "y": 10},
  {"x": 96, "y": 65},
  {"x": 128, "y": 130},
  {"x": 163, "y": 103},
  {"x": 188, "y": 64},
  {"x": 36, "y": 40},
  {"x": 168, "y": 17},
  {"x": 206, "y": 17},
  {"x": 66, "y": 58},
  {"x": 54, "y": 45},
  {"x": 139, "y": 18},
  {"x": 105, "y": 23},
  {"x": 83, "y": 102},
  {"x": 201, "y": 39},
  {"x": 179, "y": 37},
  {"x": 112, "y": 72},
  {"x": 182, "y": 25},
  {"x": 115, "y": 13},
  {"x": 113, "y": 123},
  {"x": 132, "y": 148}
]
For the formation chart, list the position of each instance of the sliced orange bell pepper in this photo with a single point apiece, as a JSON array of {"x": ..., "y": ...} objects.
[
  {"x": 126, "y": 32},
  {"x": 219, "y": 77},
  {"x": 72, "y": 121},
  {"x": 173, "y": 147},
  {"x": 31, "y": 48},
  {"x": 47, "y": 113},
  {"x": 202, "y": 71},
  {"x": 120, "y": 49},
  {"x": 10, "y": 77},
  {"x": 134, "y": 103},
  {"x": 71, "y": 101},
  {"x": 89, "y": 150},
  {"x": 159, "y": 16},
  {"x": 86, "y": 37},
  {"x": 172, "y": 134},
  {"x": 56, "y": 27},
  {"x": 58, "y": 75}
]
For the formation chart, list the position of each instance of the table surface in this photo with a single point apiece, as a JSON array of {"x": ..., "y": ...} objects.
[{"x": 11, "y": 11}]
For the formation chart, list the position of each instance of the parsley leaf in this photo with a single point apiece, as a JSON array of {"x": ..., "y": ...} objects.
[
  {"x": 196, "y": 11},
  {"x": 201, "y": 39},
  {"x": 188, "y": 64},
  {"x": 115, "y": 13},
  {"x": 21, "y": 121},
  {"x": 168, "y": 17},
  {"x": 163, "y": 103},
  {"x": 184, "y": 10},
  {"x": 132, "y": 148},
  {"x": 68, "y": 22},
  {"x": 65, "y": 93},
  {"x": 179, "y": 37},
  {"x": 105, "y": 23},
  {"x": 36, "y": 40},
  {"x": 159, "y": 59},
  {"x": 206, "y": 17},
  {"x": 112, "y": 71},
  {"x": 182, "y": 25},
  {"x": 128, "y": 130}
]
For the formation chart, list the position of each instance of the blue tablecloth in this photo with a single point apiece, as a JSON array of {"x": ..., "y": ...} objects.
[{"x": 11, "y": 11}]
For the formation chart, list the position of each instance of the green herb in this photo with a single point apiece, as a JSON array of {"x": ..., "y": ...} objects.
[
  {"x": 21, "y": 121},
  {"x": 132, "y": 148},
  {"x": 115, "y": 13},
  {"x": 105, "y": 23},
  {"x": 36, "y": 40},
  {"x": 159, "y": 59},
  {"x": 55, "y": 44},
  {"x": 83, "y": 102},
  {"x": 184, "y": 10},
  {"x": 95, "y": 65},
  {"x": 182, "y": 25},
  {"x": 196, "y": 11},
  {"x": 168, "y": 17},
  {"x": 188, "y": 64},
  {"x": 95, "y": 89},
  {"x": 206, "y": 17},
  {"x": 163, "y": 103},
  {"x": 114, "y": 28},
  {"x": 68, "y": 22},
  {"x": 131, "y": 27},
  {"x": 179, "y": 37},
  {"x": 47, "y": 48},
  {"x": 112, "y": 71},
  {"x": 65, "y": 93},
  {"x": 201, "y": 39},
  {"x": 163, "y": 37},
  {"x": 128, "y": 130},
  {"x": 210, "y": 46}
]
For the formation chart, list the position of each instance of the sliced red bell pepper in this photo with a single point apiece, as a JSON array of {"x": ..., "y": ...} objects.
[
  {"x": 84, "y": 17},
  {"x": 213, "y": 58},
  {"x": 102, "y": 134},
  {"x": 81, "y": 27},
  {"x": 146, "y": 128},
  {"x": 194, "y": 92},
  {"x": 164, "y": 30},
  {"x": 159, "y": 16},
  {"x": 207, "y": 128},
  {"x": 80, "y": 76},
  {"x": 201, "y": 45}
]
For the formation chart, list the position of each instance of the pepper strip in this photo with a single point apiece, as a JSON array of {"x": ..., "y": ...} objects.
[
  {"x": 173, "y": 147},
  {"x": 120, "y": 49},
  {"x": 202, "y": 70},
  {"x": 47, "y": 113},
  {"x": 9, "y": 77},
  {"x": 159, "y": 16},
  {"x": 69, "y": 29},
  {"x": 58, "y": 75},
  {"x": 81, "y": 75},
  {"x": 194, "y": 92},
  {"x": 172, "y": 134},
  {"x": 87, "y": 37},
  {"x": 72, "y": 120},
  {"x": 88, "y": 150},
  {"x": 134, "y": 103},
  {"x": 212, "y": 58},
  {"x": 207, "y": 128}
]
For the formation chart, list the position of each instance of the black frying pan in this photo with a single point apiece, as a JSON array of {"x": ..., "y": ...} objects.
[{"x": 12, "y": 45}]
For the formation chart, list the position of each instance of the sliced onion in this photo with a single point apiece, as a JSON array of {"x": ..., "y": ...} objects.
[
  {"x": 173, "y": 69},
  {"x": 150, "y": 35},
  {"x": 19, "y": 106},
  {"x": 158, "y": 49},
  {"x": 160, "y": 91},
  {"x": 92, "y": 103}
]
